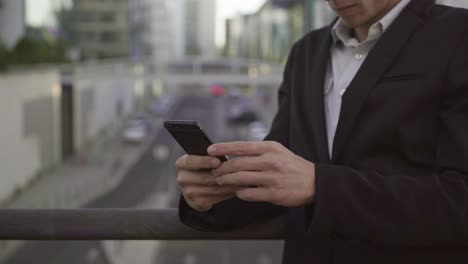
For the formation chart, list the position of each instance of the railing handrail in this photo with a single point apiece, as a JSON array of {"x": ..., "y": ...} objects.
[{"x": 118, "y": 224}]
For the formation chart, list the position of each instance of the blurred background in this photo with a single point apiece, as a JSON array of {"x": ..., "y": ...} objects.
[{"x": 86, "y": 84}]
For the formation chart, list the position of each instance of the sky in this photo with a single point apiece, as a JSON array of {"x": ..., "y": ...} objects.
[{"x": 39, "y": 12}]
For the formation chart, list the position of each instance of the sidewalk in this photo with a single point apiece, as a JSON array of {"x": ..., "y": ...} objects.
[
  {"x": 90, "y": 174},
  {"x": 93, "y": 172}
]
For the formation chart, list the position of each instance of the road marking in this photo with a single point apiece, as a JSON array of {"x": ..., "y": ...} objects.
[
  {"x": 92, "y": 255},
  {"x": 225, "y": 255},
  {"x": 190, "y": 258},
  {"x": 264, "y": 259},
  {"x": 160, "y": 152}
]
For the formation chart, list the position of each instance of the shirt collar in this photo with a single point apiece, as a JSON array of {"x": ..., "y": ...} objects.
[{"x": 340, "y": 32}]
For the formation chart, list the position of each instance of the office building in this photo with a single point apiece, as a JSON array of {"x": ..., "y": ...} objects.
[
  {"x": 200, "y": 18},
  {"x": 12, "y": 21}
]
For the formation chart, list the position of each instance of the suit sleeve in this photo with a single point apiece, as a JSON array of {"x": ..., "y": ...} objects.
[
  {"x": 235, "y": 213},
  {"x": 406, "y": 209}
]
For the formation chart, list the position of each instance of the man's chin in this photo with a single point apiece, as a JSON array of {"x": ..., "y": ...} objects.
[{"x": 351, "y": 23}]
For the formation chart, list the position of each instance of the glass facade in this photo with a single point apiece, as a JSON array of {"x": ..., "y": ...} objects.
[{"x": 269, "y": 33}]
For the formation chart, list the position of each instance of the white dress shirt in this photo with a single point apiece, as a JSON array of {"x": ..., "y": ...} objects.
[{"x": 346, "y": 58}]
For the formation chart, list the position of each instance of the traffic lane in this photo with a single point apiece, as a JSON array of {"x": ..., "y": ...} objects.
[
  {"x": 142, "y": 180},
  {"x": 219, "y": 252},
  {"x": 211, "y": 114},
  {"x": 149, "y": 175}
]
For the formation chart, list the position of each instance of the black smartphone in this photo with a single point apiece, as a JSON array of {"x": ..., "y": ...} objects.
[{"x": 190, "y": 137}]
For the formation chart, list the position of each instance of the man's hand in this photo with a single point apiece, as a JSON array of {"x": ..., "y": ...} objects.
[
  {"x": 198, "y": 183},
  {"x": 277, "y": 175}
]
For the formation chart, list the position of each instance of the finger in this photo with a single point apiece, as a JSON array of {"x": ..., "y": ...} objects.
[
  {"x": 256, "y": 163},
  {"x": 240, "y": 148},
  {"x": 192, "y": 162},
  {"x": 204, "y": 204},
  {"x": 198, "y": 191},
  {"x": 243, "y": 178},
  {"x": 254, "y": 194},
  {"x": 185, "y": 178}
]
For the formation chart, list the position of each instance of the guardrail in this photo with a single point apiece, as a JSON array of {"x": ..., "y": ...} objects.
[{"x": 119, "y": 224}]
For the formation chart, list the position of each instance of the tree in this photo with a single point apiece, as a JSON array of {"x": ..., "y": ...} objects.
[
  {"x": 4, "y": 53},
  {"x": 29, "y": 50}
]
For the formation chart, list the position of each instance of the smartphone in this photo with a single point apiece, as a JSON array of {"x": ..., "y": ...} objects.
[{"x": 190, "y": 137}]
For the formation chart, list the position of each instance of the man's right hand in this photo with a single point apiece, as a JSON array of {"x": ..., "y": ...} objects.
[{"x": 198, "y": 184}]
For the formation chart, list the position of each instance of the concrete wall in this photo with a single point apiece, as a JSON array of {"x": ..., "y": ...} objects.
[
  {"x": 29, "y": 126},
  {"x": 103, "y": 95},
  {"x": 30, "y": 114}
]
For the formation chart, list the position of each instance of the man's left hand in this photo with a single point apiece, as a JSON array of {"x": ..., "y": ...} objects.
[{"x": 273, "y": 173}]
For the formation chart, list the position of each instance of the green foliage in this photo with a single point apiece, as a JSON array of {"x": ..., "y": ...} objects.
[
  {"x": 30, "y": 50},
  {"x": 3, "y": 56}
]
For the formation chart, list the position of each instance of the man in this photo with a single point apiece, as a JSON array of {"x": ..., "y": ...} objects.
[{"x": 368, "y": 154}]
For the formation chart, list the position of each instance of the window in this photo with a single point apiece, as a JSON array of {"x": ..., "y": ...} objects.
[
  {"x": 107, "y": 17},
  {"x": 108, "y": 36}
]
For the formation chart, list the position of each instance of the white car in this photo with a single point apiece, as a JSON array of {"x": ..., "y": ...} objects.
[
  {"x": 257, "y": 131},
  {"x": 136, "y": 132}
]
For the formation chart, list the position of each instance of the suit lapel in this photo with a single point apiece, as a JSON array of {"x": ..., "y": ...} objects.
[
  {"x": 378, "y": 61},
  {"x": 318, "y": 61}
]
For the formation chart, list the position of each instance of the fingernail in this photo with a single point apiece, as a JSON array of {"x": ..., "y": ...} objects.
[
  {"x": 219, "y": 181},
  {"x": 211, "y": 148}
]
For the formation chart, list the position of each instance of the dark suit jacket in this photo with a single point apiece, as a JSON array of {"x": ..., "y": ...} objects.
[{"x": 396, "y": 190}]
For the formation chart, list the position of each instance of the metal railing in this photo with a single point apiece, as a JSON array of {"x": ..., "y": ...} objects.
[{"x": 119, "y": 224}]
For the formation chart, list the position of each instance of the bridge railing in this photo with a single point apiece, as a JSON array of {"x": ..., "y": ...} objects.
[{"x": 119, "y": 224}]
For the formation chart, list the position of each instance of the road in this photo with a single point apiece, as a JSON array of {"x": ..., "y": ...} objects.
[{"x": 150, "y": 183}]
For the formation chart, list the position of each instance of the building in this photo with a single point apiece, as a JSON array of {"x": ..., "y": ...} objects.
[
  {"x": 200, "y": 28},
  {"x": 269, "y": 33},
  {"x": 12, "y": 21},
  {"x": 177, "y": 28},
  {"x": 320, "y": 13},
  {"x": 164, "y": 19},
  {"x": 262, "y": 35},
  {"x": 139, "y": 29},
  {"x": 108, "y": 29},
  {"x": 206, "y": 27},
  {"x": 138, "y": 23}
]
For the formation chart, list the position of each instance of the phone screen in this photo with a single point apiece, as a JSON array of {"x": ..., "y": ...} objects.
[{"x": 190, "y": 137}]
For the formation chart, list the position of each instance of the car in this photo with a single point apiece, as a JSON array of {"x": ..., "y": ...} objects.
[
  {"x": 256, "y": 131},
  {"x": 135, "y": 132},
  {"x": 242, "y": 111},
  {"x": 146, "y": 119},
  {"x": 217, "y": 90},
  {"x": 161, "y": 106},
  {"x": 234, "y": 93}
]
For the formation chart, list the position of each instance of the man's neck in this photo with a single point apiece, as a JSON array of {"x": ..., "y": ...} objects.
[{"x": 361, "y": 32}]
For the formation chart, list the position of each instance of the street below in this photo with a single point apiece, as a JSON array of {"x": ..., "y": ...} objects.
[{"x": 150, "y": 184}]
